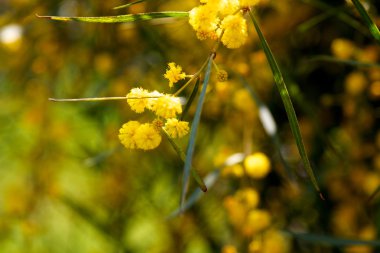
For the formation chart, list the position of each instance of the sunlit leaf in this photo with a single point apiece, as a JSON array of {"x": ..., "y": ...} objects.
[
  {"x": 367, "y": 20},
  {"x": 122, "y": 18},
  {"x": 281, "y": 86},
  {"x": 193, "y": 132}
]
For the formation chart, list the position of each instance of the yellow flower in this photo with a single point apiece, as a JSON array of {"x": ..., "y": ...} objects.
[
  {"x": 167, "y": 107},
  {"x": 257, "y": 165},
  {"x": 235, "y": 31},
  {"x": 147, "y": 137},
  {"x": 222, "y": 75},
  {"x": 343, "y": 49},
  {"x": 174, "y": 74},
  {"x": 151, "y": 101},
  {"x": 227, "y": 7},
  {"x": 272, "y": 241},
  {"x": 204, "y": 21},
  {"x": 137, "y": 99},
  {"x": 127, "y": 133},
  {"x": 257, "y": 220},
  {"x": 175, "y": 128},
  {"x": 248, "y": 197}
]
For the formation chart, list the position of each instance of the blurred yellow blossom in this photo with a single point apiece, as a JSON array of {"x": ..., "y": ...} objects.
[
  {"x": 355, "y": 83},
  {"x": 257, "y": 165},
  {"x": 229, "y": 249},
  {"x": 257, "y": 220},
  {"x": 272, "y": 241},
  {"x": 342, "y": 48}
]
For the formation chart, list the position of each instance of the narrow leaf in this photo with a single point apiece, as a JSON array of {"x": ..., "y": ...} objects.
[
  {"x": 367, "y": 20},
  {"x": 123, "y": 18},
  {"x": 281, "y": 86},
  {"x": 210, "y": 180},
  {"x": 193, "y": 132},
  {"x": 182, "y": 155},
  {"x": 191, "y": 99},
  {"x": 197, "y": 194},
  {"x": 332, "y": 241}
]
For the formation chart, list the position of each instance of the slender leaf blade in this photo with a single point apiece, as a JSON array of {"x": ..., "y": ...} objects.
[
  {"x": 182, "y": 155},
  {"x": 123, "y": 18},
  {"x": 191, "y": 99},
  {"x": 367, "y": 20},
  {"x": 281, "y": 86},
  {"x": 193, "y": 133}
]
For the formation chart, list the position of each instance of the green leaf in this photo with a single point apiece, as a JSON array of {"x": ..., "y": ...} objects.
[
  {"x": 182, "y": 155},
  {"x": 281, "y": 86},
  {"x": 123, "y": 18},
  {"x": 332, "y": 241},
  {"x": 193, "y": 132},
  {"x": 339, "y": 13},
  {"x": 191, "y": 99},
  {"x": 210, "y": 180},
  {"x": 367, "y": 20}
]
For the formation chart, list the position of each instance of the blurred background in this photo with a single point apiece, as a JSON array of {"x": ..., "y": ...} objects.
[{"x": 67, "y": 184}]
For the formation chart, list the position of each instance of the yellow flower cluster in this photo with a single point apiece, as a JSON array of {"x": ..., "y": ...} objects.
[
  {"x": 221, "y": 19},
  {"x": 174, "y": 74},
  {"x": 142, "y": 136},
  {"x": 164, "y": 105},
  {"x": 134, "y": 135}
]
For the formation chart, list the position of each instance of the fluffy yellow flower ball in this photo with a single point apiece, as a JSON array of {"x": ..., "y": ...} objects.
[
  {"x": 257, "y": 165},
  {"x": 127, "y": 133},
  {"x": 147, "y": 137},
  {"x": 204, "y": 21},
  {"x": 137, "y": 99},
  {"x": 235, "y": 31},
  {"x": 167, "y": 107},
  {"x": 176, "y": 129}
]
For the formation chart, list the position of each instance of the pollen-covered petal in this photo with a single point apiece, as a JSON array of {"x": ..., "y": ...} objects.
[
  {"x": 152, "y": 99},
  {"x": 127, "y": 133},
  {"x": 137, "y": 99},
  {"x": 235, "y": 31},
  {"x": 204, "y": 20},
  {"x": 147, "y": 137},
  {"x": 175, "y": 128},
  {"x": 168, "y": 107}
]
